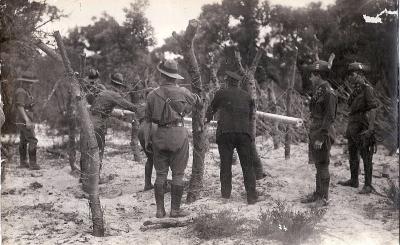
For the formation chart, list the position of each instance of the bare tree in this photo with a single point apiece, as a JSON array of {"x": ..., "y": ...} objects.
[
  {"x": 87, "y": 128},
  {"x": 200, "y": 141}
]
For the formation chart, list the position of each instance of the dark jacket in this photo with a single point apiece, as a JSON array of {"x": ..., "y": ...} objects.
[
  {"x": 360, "y": 102},
  {"x": 323, "y": 108},
  {"x": 235, "y": 107}
]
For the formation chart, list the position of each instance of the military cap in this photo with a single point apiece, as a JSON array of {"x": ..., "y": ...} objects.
[
  {"x": 319, "y": 66},
  {"x": 169, "y": 68},
  {"x": 28, "y": 77},
  {"x": 357, "y": 66},
  {"x": 117, "y": 78},
  {"x": 233, "y": 75}
]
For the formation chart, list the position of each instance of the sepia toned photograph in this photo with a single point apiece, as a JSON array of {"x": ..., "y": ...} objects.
[{"x": 232, "y": 122}]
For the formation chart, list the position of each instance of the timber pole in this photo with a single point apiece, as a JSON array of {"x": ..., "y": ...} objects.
[{"x": 87, "y": 127}]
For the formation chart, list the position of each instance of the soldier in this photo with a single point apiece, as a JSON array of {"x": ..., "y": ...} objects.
[
  {"x": 166, "y": 106},
  {"x": 104, "y": 104},
  {"x": 24, "y": 104},
  {"x": 323, "y": 107},
  {"x": 234, "y": 106},
  {"x": 360, "y": 127}
]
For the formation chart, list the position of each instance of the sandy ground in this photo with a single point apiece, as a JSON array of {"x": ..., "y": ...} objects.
[{"x": 47, "y": 206}]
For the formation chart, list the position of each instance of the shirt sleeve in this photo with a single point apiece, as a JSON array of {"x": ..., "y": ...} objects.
[
  {"x": 370, "y": 99},
  {"x": 191, "y": 98},
  {"x": 123, "y": 103},
  {"x": 330, "y": 102},
  {"x": 21, "y": 97},
  {"x": 214, "y": 105}
]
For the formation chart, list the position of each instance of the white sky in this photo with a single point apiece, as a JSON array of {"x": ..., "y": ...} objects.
[{"x": 165, "y": 16}]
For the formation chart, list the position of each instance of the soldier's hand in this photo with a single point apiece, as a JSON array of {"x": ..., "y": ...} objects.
[
  {"x": 30, "y": 125},
  {"x": 318, "y": 144}
]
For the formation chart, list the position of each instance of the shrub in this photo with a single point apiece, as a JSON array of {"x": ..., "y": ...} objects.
[
  {"x": 224, "y": 223},
  {"x": 287, "y": 226}
]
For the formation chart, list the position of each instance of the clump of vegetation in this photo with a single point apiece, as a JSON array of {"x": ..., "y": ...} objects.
[
  {"x": 288, "y": 226},
  {"x": 393, "y": 193},
  {"x": 224, "y": 223}
]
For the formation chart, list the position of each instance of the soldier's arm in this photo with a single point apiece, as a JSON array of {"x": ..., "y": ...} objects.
[
  {"x": 213, "y": 107},
  {"x": 330, "y": 101},
  {"x": 372, "y": 105},
  {"x": 20, "y": 101},
  {"x": 123, "y": 103}
]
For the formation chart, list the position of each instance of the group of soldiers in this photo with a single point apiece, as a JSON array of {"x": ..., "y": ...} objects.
[{"x": 165, "y": 140}]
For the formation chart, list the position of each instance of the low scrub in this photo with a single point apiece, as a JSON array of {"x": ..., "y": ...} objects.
[
  {"x": 288, "y": 226},
  {"x": 224, "y": 223}
]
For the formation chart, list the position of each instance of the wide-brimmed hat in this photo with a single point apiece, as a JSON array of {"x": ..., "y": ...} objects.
[
  {"x": 169, "y": 68},
  {"x": 357, "y": 66},
  {"x": 117, "y": 78},
  {"x": 233, "y": 75},
  {"x": 29, "y": 78}
]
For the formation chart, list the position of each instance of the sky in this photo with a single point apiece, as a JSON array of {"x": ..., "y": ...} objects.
[{"x": 165, "y": 16}]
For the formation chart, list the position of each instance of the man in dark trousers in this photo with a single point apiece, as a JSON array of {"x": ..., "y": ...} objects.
[
  {"x": 24, "y": 105},
  {"x": 323, "y": 106},
  {"x": 166, "y": 106},
  {"x": 234, "y": 106},
  {"x": 360, "y": 127}
]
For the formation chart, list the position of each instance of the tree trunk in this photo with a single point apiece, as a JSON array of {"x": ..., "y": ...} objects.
[
  {"x": 200, "y": 141},
  {"x": 87, "y": 127},
  {"x": 274, "y": 109},
  {"x": 135, "y": 140},
  {"x": 250, "y": 86},
  {"x": 71, "y": 133},
  {"x": 289, "y": 130}
]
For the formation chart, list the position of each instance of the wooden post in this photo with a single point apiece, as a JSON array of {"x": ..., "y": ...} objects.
[
  {"x": 289, "y": 133},
  {"x": 200, "y": 141},
  {"x": 87, "y": 127}
]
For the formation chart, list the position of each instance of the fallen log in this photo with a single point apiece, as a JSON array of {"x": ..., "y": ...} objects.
[
  {"x": 273, "y": 117},
  {"x": 156, "y": 223}
]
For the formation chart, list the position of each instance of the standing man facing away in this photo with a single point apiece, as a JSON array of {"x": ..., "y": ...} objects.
[
  {"x": 24, "y": 105},
  {"x": 360, "y": 127},
  {"x": 166, "y": 106},
  {"x": 323, "y": 106},
  {"x": 234, "y": 106}
]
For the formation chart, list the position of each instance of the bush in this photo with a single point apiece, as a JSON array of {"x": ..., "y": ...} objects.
[
  {"x": 393, "y": 194},
  {"x": 287, "y": 226},
  {"x": 216, "y": 225}
]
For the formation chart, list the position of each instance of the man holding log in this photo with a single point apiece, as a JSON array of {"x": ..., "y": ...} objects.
[
  {"x": 323, "y": 107},
  {"x": 166, "y": 106},
  {"x": 233, "y": 132},
  {"x": 104, "y": 104}
]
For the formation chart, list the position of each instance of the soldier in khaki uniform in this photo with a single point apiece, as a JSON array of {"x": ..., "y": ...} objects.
[
  {"x": 24, "y": 105},
  {"x": 360, "y": 128},
  {"x": 166, "y": 106},
  {"x": 104, "y": 104},
  {"x": 323, "y": 106}
]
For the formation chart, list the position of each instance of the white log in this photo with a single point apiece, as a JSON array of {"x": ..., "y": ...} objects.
[{"x": 273, "y": 117}]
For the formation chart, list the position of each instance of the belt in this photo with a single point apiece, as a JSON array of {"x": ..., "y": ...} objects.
[{"x": 171, "y": 125}]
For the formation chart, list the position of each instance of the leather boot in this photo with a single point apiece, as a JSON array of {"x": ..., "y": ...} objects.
[
  {"x": 159, "y": 196},
  {"x": 32, "y": 159},
  {"x": 22, "y": 156},
  {"x": 176, "y": 196},
  {"x": 350, "y": 182}
]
